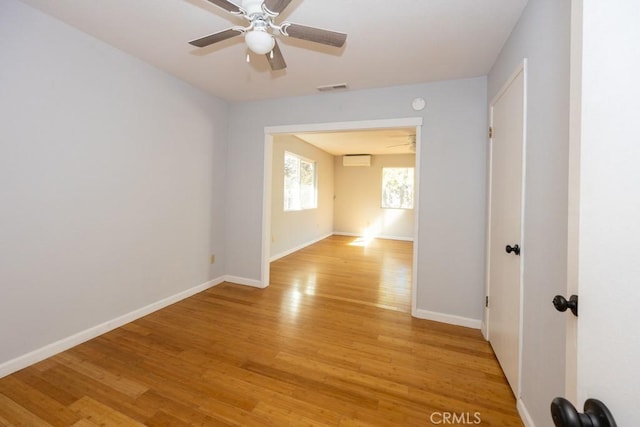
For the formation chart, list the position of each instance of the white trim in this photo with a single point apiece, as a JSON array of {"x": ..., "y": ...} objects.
[
  {"x": 448, "y": 318},
  {"x": 380, "y": 236},
  {"x": 521, "y": 69},
  {"x": 573, "y": 211},
  {"x": 416, "y": 220},
  {"x": 487, "y": 260},
  {"x": 265, "y": 270},
  {"x": 52, "y": 349},
  {"x": 338, "y": 126},
  {"x": 523, "y": 236},
  {"x": 524, "y": 414},
  {"x": 245, "y": 282},
  {"x": 297, "y": 248}
]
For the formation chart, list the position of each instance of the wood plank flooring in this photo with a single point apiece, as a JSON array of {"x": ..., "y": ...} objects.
[{"x": 329, "y": 343}]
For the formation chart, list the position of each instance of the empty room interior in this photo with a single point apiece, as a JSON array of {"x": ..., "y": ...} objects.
[{"x": 298, "y": 212}]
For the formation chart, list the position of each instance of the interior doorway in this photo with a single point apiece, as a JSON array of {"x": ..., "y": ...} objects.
[{"x": 272, "y": 132}]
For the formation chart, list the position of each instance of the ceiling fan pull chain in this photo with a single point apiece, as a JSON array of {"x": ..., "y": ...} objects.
[
  {"x": 248, "y": 57},
  {"x": 271, "y": 55}
]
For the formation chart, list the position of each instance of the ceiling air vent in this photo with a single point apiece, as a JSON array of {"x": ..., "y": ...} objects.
[
  {"x": 356, "y": 160},
  {"x": 329, "y": 88}
]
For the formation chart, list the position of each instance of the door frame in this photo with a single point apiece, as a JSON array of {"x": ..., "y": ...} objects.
[
  {"x": 521, "y": 68},
  {"x": 271, "y": 131},
  {"x": 573, "y": 211}
]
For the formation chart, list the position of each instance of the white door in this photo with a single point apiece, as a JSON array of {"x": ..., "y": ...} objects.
[
  {"x": 605, "y": 209},
  {"x": 505, "y": 226}
]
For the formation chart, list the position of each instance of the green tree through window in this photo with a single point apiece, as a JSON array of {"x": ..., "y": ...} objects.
[
  {"x": 299, "y": 183},
  {"x": 397, "y": 188}
]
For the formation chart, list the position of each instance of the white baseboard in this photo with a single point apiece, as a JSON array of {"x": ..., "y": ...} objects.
[
  {"x": 448, "y": 318},
  {"x": 524, "y": 414},
  {"x": 245, "y": 282},
  {"x": 386, "y": 237},
  {"x": 297, "y": 248},
  {"x": 52, "y": 349}
]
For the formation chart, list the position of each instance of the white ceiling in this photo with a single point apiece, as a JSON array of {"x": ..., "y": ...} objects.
[
  {"x": 379, "y": 141},
  {"x": 390, "y": 42}
]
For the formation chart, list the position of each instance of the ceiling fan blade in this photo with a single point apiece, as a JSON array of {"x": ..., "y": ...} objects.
[
  {"x": 227, "y": 5},
  {"x": 277, "y": 62},
  {"x": 312, "y": 34},
  {"x": 215, "y": 37},
  {"x": 276, "y": 6}
]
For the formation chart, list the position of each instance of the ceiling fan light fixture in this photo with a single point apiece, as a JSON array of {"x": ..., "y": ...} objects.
[{"x": 259, "y": 41}]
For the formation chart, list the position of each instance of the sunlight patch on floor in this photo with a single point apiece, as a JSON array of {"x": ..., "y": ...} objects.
[
  {"x": 378, "y": 227},
  {"x": 362, "y": 241}
]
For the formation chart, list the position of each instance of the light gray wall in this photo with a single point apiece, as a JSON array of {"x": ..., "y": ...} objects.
[
  {"x": 293, "y": 229},
  {"x": 542, "y": 36},
  {"x": 452, "y": 192},
  {"x": 358, "y": 205},
  {"x": 112, "y": 179}
]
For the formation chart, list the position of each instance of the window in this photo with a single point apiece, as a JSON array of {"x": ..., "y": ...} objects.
[
  {"x": 299, "y": 183},
  {"x": 397, "y": 188}
]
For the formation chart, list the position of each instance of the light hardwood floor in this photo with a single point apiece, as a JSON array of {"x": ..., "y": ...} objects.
[{"x": 330, "y": 342}]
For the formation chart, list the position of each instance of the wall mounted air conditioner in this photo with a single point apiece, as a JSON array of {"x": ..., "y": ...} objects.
[{"x": 356, "y": 160}]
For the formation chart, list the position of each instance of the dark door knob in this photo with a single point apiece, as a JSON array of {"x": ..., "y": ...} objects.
[
  {"x": 561, "y": 304},
  {"x": 596, "y": 414},
  {"x": 515, "y": 249}
]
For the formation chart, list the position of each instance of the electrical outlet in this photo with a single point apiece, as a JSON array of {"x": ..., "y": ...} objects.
[{"x": 213, "y": 259}]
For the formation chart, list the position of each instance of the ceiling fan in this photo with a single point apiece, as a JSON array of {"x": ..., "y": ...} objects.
[
  {"x": 259, "y": 34},
  {"x": 410, "y": 144}
]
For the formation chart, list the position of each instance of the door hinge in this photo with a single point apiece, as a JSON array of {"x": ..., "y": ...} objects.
[
  {"x": 490, "y": 132},
  {"x": 486, "y": 302}
]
